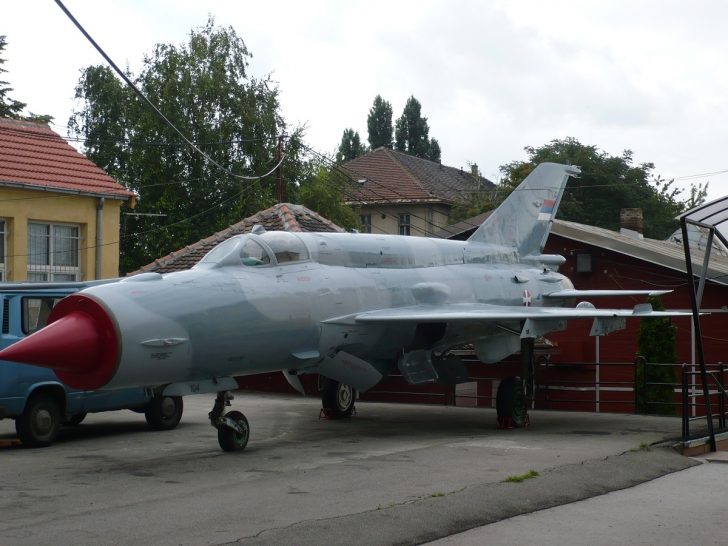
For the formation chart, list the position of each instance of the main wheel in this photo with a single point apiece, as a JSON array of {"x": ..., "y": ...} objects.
[
  {"x": 510, "y": 403},
  {"x": 164, "y": 412},
  {"x": 337, "y": 398},
  {"x": 230, "y": 439},
  {"x": 39, "y": 424}
]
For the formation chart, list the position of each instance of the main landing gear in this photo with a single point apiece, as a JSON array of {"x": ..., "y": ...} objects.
[
  {"x": 233, "y": 430},
  {"x": 337, "y": 399}
]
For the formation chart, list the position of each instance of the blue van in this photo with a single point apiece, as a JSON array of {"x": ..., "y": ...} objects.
[{"x": 35, "y": 398}]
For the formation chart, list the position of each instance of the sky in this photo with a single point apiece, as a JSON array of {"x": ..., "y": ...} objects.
[{"x": 492, "y": 76}]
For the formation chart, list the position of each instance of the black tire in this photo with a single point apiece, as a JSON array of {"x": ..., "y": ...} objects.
[
  {"x": 230, "y": 439},
  {"x": 164, "y": 412},
  {"x": 510, "y": 402},
  {"x": 40, "y": 422},
  {"x": 75, "y": 419},
  {"x": 337, "y": 398}
]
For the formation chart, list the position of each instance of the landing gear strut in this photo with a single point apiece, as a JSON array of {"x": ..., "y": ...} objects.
[{"x": 233, "y": 430}]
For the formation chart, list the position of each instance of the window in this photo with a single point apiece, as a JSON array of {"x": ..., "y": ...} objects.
[
  {"x": 35, "y": 313},
  {"x": 286, "y": 246},
  {"x": 2, "y": 249},
  {"x": 253, "y": 254},
  {"x": 53, "y": 252},
  {"x": 366, "y": 223},
  {"x": 404, "y": 224},
  {"x": 583, "y": 262}
]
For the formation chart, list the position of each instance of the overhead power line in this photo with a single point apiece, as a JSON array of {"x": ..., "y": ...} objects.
[{"x": 156, "y": 110}]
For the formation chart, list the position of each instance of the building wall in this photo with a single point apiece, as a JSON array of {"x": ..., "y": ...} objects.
[
  {"x": 425, "y": 219},
  {"x": 19, "y": 206},
  {"x": 611, "y": 270}
]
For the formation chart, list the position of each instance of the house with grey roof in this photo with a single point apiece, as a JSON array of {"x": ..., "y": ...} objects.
[{"x": 397, "y": 193}]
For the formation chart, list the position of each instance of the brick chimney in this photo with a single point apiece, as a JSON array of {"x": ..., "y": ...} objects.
[{"x": 631, "y": 223}]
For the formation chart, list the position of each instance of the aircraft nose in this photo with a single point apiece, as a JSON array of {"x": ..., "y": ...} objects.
[{"x": 80, "y": 344}]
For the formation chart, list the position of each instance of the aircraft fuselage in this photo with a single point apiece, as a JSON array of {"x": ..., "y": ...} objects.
[{"x": 248, "y": 319}]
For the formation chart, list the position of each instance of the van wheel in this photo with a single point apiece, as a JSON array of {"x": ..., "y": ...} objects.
[
  {"x": 164, "y": 412},
  {"x": 40, "y": 422}
]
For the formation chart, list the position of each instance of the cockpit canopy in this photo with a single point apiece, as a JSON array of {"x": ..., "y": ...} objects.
[{"x": 270, "y": 248}]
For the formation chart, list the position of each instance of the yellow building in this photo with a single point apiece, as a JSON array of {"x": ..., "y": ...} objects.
[{"x": 59, "y": 212}]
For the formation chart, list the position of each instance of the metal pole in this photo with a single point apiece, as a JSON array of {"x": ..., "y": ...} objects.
[
  {"x": 596, "y": 384},
  {"x": 279, "y": 154},
  {"x": 693, "y": 382},
  {"x": 698, "y": 334},
  {"x": 685, "y": 400},
  {"x": 721, "y": 399},
  {"x": 704, "y": 271}
]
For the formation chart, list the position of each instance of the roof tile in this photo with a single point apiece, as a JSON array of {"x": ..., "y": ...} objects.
[
  {"x": 389, "y": 176},
  {"x": 280, "y": 217},
  {"x": 33, "y": 155}
]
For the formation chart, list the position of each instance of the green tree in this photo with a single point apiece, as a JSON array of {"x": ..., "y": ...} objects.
[
  {"x": 204, "y": 88},
  {"x": 9, "y": 108},
  {"x": 606, "y": 185},
  {"x": 379, "y": 124},
  {"x": 654, "y": 382},
  {"x": 324, "y": 191},
  {"x": 434, "y": 152},
  {"x": 350, "y": 147},
  {"x": 411, "y": 133}
]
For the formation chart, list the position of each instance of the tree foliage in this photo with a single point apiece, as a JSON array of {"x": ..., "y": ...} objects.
[
  {"x": 434, "y": 152},
  {"x": 9, "y": 108},
  {"x": 379, "y": 124},
  {"x": 204, "y": 88},
  {"x": 411, "y": 133},
  {"x": 324, "y": 190},
  {"x": 350, "y": 147},
  {"x": 606, "y": 185},
  {"x": 654, "y": 382}
]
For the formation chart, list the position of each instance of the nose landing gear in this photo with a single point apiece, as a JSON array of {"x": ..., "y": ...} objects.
[{"x": 233, "y": 430}]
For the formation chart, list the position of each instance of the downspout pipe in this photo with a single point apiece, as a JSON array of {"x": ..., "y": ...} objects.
[{"x": 99, "y": 236}]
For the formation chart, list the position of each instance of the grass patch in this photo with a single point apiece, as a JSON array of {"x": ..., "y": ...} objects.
[
  {"x": 643, "y": 447},
  {"x": 522, "y": 477},
  {"x": 438, "y": 494}
]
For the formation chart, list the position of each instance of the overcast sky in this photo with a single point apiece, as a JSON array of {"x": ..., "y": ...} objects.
[{"x": 492, "y": 76}]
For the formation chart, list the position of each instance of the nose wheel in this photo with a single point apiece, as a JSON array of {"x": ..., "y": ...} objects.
[{"x": 232, "y": 427}]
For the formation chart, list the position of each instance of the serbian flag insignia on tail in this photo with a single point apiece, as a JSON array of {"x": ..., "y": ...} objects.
[{"x": 547, "y": 209}]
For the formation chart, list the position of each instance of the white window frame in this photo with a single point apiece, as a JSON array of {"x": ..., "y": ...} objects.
[
  {"x": 366, "y": 223},
  {"x": 3, "y": 251},
  {"x": 51, "y": 271},
  {"x": 404, "y": 223}
]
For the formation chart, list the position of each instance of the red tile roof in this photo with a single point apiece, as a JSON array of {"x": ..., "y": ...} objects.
[
  {"x": 388, "y": 176},
  {"x": 280, "y": 217},
  {"x": 34, "y": 156}
]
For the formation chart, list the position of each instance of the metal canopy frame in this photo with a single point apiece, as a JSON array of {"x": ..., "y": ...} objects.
[{"x": 710, "y": 216}]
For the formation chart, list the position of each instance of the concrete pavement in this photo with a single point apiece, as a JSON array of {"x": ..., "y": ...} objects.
[
  {"x": 687, "y": 507},
  {"x": 394, "y": 474}
]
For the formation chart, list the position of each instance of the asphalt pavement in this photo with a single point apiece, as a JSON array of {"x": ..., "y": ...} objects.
[{"x": 393, "y": 474}]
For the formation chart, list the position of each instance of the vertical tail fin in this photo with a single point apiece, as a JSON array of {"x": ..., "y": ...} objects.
[{"x": 523, "y": 220}]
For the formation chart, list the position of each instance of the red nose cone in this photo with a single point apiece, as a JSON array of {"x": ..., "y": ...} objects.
[{"x": 79, "y": 343}]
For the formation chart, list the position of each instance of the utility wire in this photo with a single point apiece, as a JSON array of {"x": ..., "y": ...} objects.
[
  {"x": 150, "y": 103},
  {"x": 125, "y": 141}
]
